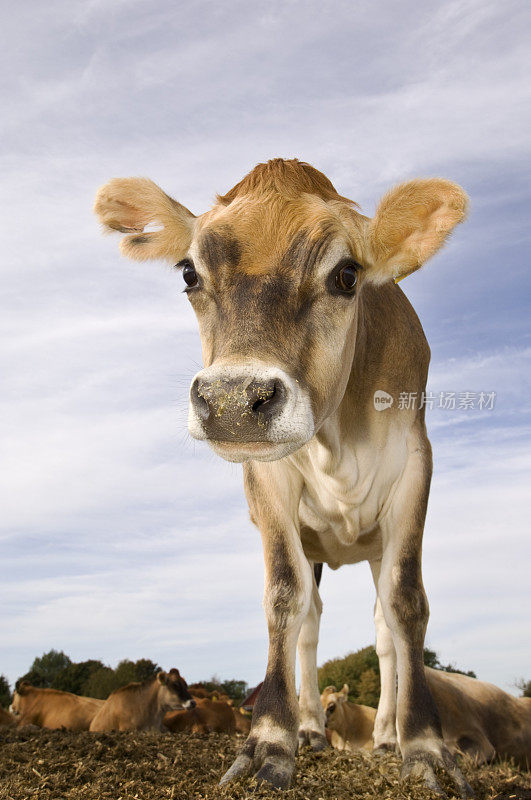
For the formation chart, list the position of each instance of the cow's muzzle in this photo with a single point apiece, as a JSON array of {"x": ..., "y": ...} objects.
[{"x": 249, "y": 412}]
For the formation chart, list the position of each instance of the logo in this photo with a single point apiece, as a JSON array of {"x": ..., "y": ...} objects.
[{"x": 382, "y": 400}]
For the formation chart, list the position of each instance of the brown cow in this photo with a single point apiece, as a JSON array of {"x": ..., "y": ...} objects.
[
  {"x": 51, "y": 708},
  {"x": 309, "y": 349},
  {"x": 477, "y": 718},
  {"x": 208, "y": 716},
  {"x": 198, "y": 692},
  {"x": 142, "y": 706},
  {"x": 351, "y": 725},
  {"x": 6, "y": 719}
]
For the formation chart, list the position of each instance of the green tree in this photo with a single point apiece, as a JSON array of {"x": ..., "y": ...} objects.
[
  {"x": 5, "y": 692},
  {"x": 45, "y": 669},
  {"x": 145, "y": 669},
  {"x": 349, "y": 669},
  {"x": 74, "y": 676},
  {"x": 524, "y": 686},
  {"x": 101, "y": 683},
  {"x": 369, "y": 688}
]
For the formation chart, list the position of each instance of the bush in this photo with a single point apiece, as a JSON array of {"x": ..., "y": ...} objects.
[{"x": 45, "y": 669}]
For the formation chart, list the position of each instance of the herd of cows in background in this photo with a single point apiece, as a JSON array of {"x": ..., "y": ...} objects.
[{"x": 477, "y": 718}]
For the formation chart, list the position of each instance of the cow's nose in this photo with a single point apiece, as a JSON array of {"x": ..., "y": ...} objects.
[{"x": 237, "y": 409}]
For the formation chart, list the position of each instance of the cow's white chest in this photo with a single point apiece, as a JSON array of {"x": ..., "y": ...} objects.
[{"x": 346, "y": 493}]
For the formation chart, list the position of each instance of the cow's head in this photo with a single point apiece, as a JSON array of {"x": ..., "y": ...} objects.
[
  {"x": 173, "y": 691},
  {"x": 332, "y": 702},
  {"x": 275, "y": 272}
]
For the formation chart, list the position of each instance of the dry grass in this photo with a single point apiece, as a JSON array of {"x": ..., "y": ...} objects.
[{"x": 56, "y": 765}]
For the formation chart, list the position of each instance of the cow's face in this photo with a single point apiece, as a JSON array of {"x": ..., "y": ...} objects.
[
  {"x": 275, "y": 273},
  {"x": 275, "y": 291},
  {"x": 332, "y": 702},
  {"x": 173, "y": 691}
]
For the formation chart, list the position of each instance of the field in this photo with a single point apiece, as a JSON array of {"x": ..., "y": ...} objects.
[{"x": 55, "y": 765}]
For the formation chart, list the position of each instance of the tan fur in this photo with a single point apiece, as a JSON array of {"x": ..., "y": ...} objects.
[
  {"x": 141, "y": 706},
  {"x": 411, "y": 223},
  {"x": 130, "y": 204},
  {"x": 208, "y": 716},
  {"x": 351, "y": 724},
  {"x": 51, "y": 708},
  {"x": 6, "y": 719},
  {"x": 476, "y": 717}
]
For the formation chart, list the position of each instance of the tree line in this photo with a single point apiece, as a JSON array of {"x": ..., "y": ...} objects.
[
  {"x": 92, "y": 678},
  {"x": 361, "y": 671}
]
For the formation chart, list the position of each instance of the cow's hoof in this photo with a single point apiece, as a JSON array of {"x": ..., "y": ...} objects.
[
  {"x": 422, "y": 764},
  {"x": 269, "y": 762},
  {"x": 314, "y": 739}
]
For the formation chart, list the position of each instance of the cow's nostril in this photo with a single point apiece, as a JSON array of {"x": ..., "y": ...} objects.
[
  {"x": 265, "y": 396},
  {"x": 200, "y": 403}
]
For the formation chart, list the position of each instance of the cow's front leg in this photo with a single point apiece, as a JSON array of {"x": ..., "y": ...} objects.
[
  {"x": 312, "y": 719},
  {"x": 405, "y": 608},
  {"x": 269, "y": 752}
]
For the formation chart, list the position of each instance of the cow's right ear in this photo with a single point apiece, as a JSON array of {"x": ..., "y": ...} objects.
[
  {"x": 23, "y": 687},
  {"x": 129, "y": 204},
  {"x": 162, "y": 677},
  {"x": 344, "y": 692}
]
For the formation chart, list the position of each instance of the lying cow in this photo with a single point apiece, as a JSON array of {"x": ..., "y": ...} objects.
[
  {"x": 208, "y": 716},
  {"x": 315, "y": 365},
  {"x": 51, "y": 708},
  {"x": 6, "y": 718},
  {"x": 142, "y": 706},
  {"x": 476, "y": 717},
  {"x": 198, "y": 692},
  {"x": 351, "y": 725}
]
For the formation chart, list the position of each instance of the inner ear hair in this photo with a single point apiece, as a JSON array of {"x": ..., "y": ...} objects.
[{"x": 128, "y": 205}]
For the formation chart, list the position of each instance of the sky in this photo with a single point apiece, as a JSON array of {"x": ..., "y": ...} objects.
[{"x": 122, "y": 537}]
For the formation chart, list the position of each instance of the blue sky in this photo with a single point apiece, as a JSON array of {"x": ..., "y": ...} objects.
[{"x": 121, "y": 537}]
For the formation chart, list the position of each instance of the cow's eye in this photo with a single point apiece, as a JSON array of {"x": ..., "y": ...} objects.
[
  {"x": 331, "y": 707},
  {"x": 346, "y": 276},
  {"x": 190, "y": 276}
]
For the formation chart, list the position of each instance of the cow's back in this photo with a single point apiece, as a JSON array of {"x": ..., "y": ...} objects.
[{"x": 51, "y": 708}]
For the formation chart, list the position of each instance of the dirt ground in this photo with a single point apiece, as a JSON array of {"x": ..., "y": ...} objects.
[{"x": 52, "y": 765}]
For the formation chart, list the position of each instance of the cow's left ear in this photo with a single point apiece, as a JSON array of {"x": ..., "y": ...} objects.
[
  {"x": 162, "y": 677},
  {"x": 129, "y": 204},
  {"x": 344, "y": 691},
  {"x": 411, "y": 223}
]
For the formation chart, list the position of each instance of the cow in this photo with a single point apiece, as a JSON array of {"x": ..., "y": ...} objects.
[
  {"x": 351, "y": 725},
  {"x": 309, "y": 347},
  {"x": 208, "y": 716},
  {"x": 6, "y": 718},
  {"x": 477, "y": 718},
  {"x": 141, "y": 706},
  {"x": 198, "y": 692},
  {"x": 51, "y": 708}
]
